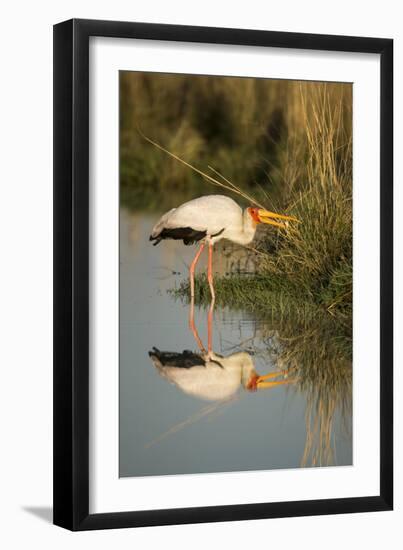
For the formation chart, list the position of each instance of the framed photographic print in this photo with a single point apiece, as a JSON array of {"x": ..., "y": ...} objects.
[{"x": 223, "y": 274}]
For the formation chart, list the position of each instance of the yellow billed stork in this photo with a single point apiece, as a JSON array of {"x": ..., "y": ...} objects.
[
  {"x": 213, "y": 377},
  {"x": 210, "y": 376},
  {"x": 209, "y": 219}
]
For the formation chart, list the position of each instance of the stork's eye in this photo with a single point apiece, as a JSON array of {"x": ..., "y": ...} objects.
[{"x": 254, "y": 213}]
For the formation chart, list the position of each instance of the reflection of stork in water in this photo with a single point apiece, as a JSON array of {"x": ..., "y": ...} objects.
[{"x": 210, "y": 376}]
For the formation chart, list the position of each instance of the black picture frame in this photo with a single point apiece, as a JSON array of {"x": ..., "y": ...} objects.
[{"x": 71, "y": 274}]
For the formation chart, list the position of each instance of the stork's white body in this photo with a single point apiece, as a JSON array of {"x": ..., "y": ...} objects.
[
  {"x": 208, "y": 220},
  {"x": 218, "y": 378},
  {"x": 219, "y": 216}
]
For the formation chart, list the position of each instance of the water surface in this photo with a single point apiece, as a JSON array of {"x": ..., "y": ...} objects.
[{"x": 166, "y": 431}]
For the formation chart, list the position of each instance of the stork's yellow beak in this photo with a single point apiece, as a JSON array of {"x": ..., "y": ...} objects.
[
  {"x": 261, "y": 382},
  {"x": 267, "y": 381},
  {"x": 270, "y": 218}
]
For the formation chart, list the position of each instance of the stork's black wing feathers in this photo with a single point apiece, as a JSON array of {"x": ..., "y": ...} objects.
[
  {"x": 187, "y": 234},
  {"x": 184, "y": 360}
]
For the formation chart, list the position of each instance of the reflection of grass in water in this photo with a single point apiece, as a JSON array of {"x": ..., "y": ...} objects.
[
  {"x": 319, "y": 352},
  {"x": 314, "y": 347}
]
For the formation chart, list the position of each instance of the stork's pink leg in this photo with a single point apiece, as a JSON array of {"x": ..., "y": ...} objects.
[
  {"x": 210, "y": 271},
  {"x": 192, "y": 269},
  {"x": 193, "y": 328},
  {"x": 210, "y": 327}
]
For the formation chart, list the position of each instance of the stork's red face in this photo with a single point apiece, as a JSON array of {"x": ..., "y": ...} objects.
[
  {"x": 254, "y": 214},
  {"x": 252, "y": 383},
  {"x": 259, "y": 215},
  {"x": 270, "y": 380}
]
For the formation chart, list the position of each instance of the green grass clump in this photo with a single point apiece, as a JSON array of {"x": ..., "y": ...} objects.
[{"x": 255, "y": 293}]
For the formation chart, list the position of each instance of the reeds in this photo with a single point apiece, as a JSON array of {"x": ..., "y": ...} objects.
[{"x": 315, "y": 257}]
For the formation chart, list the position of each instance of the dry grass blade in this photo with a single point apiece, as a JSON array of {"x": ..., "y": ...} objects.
[
  {"x": 237, "y": 189},
  {"x": 229, "y": 185},
  {"x": 205, "y": 411}
]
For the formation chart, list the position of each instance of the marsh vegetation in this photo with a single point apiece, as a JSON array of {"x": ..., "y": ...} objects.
[{"x": 289, "y": 146}]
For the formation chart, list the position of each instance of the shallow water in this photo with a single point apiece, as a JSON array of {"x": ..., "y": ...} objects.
[{"x": 164, "y": 430}]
